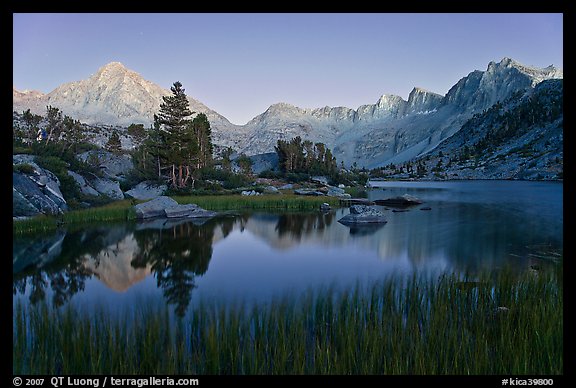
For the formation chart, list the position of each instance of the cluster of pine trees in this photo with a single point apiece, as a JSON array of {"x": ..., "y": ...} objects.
[
  {"x": 60, "y": 131},
  {"x": 176, "y": 147},
  {"x": 305, "y": 157}
]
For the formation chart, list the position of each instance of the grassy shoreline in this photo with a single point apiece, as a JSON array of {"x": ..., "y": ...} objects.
[
  {"x": 428, "y": 326},
  {"x": 122, "y": 210}
]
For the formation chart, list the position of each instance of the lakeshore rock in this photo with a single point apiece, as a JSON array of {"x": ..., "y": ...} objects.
[
  {"x": 403, "y": 200},
  {"x": 271, "y": 190},
  {"x": 180, "y": 210},
  {"x": 325, "y": 207},
  {"x": 363, "y": 215},
  {"x": 249, "y": 193},
  {"x": 312, "y": 192},
  {"x": 37, "y": 192},
  {"x": 166, "y": 207},
  {"x": 154, "y": 208}
]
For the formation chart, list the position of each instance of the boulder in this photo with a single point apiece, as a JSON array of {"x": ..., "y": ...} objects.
[
  {"x": 85, "y": 187},
  {"x": 36, "y": 192},
  {"x": 249, "y": 193},
  {"x": 108, "y": 187},
  {"x": 320, "y": 179},
  {"x": 363, "y": 215},
  {"x": 180, "y": 210},
  {"x": 325, "y": 207},
  {"x": 312, "y": 192},
  {"x": 403, "y": 200},
  {"x": 146, "y": 190},
  {"x": 114, "y": 166},
  {"x": 271, "y": 190},
  {"x": 154, "y": 208},
  {"x": 288, "y": 186}
]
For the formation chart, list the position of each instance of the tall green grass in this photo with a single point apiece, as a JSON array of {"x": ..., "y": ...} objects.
[
  {"x": 115, "y": 211},
  {"x": 237, "y": 202},
  {"x": 426, "y": 326},
  {"x": 122, "y": 210}
]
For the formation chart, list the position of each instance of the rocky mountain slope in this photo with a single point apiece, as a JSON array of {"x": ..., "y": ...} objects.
[
  {"x": 392, "y": 130},
  {"x": 518, "y": 138},
  {"x": 113, "y": 96}
]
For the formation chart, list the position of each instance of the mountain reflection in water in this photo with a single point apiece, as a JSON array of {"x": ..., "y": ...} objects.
[{"x": 257, "y": 254}]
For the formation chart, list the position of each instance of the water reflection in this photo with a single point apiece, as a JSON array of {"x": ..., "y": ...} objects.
[
  {"x": 176, "y": 256},
  {"x": 266, "y": 252}
]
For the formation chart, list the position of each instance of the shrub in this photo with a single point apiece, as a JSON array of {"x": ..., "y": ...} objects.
[{"x": 23, "y": 168}]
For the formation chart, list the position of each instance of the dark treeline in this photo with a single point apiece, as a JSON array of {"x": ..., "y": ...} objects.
[{"x": 305, "y": 157}]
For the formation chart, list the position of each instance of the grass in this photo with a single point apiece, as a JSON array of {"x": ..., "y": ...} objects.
[
  {"x": 122, "y": 210},
  {"x": 427, "y": 326},
  {"x": 115, "y": 211},
  {"x": 237, "y": 202}
]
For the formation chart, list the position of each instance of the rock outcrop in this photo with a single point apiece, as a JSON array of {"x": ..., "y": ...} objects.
[
  {"x": 35, "y": 190},
  {"x": 146, "y": 190},
  {"x": 363, "y": 215},
  {"x": 166, "y": 207}
]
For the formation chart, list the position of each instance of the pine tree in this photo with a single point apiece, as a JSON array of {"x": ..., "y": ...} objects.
[
  {"x": 245, "y": 164},
  {"x": 114, "y": 144},
  {"x": 178, "y": 138},
  {"x": 203, "y": 137},
  {"x": 54, "y": 127}
]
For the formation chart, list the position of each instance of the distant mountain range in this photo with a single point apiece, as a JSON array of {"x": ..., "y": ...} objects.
[{"x": 392, "y": 130}]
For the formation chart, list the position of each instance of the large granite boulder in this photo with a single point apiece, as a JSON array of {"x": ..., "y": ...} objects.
[
  {"x": 188, "y": 211},
  {"x": 154, "y": 208},
  {"x": 181, "y": 210},
  {"x": 109, "y": 187},
  {"x": 166, "y": 207},
  {"x": 114, "y": 166},
  {"x": 85, "y": 187},
  {"x": 363, "y": 215},
  {"x": 35, "y": 190},
  {"x": 146, "y": 190}
]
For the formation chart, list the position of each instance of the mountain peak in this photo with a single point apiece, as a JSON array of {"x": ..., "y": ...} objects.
[{"x": 113, "y": 66}]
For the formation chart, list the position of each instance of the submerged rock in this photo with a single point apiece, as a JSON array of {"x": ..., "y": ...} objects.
[
  {"x": 403, "y": 200},
  {"x": 363, "y": 215}
]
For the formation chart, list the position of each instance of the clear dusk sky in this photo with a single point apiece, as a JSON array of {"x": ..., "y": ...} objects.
[{"x": 239, "y": 64}]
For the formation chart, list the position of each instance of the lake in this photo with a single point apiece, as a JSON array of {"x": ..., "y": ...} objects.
[{"x": 254, "y": 256}]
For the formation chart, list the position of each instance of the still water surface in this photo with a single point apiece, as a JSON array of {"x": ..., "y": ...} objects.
[{"x": 254, "y": 256}]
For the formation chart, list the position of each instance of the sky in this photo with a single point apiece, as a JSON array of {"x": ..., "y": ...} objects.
[{"x": 240, "y": 64}]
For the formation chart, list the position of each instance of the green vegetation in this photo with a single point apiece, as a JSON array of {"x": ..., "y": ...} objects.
[
  {"x": 505, "y": 324},
  {"x": 115, "y": 211},
  {"x": 23, "y": 168},
  {"x": 176, "y": 148},
  {"x": 114, "y": 144},
  {"x": 236, "y": 202},
  {"x": 122, "y": 210},
  {"x": 305, "y": 157}
]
